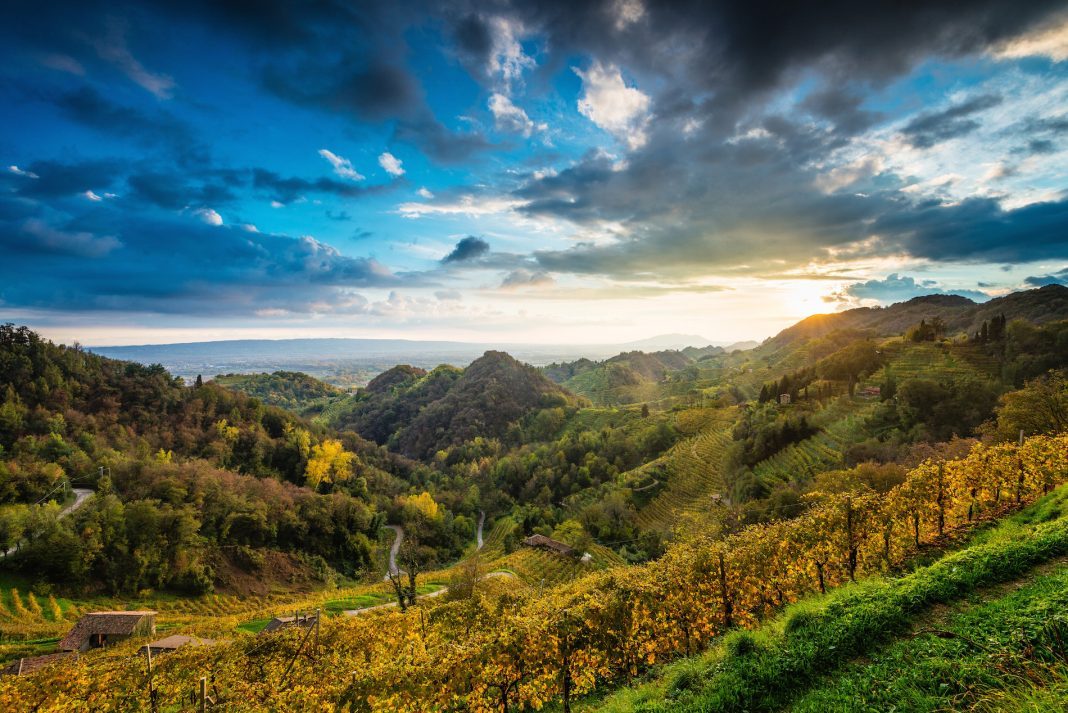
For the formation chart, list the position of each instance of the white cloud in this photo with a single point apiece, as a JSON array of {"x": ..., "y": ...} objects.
[
  {"x": 1049, "y": 41},
  {"x": 391, "y": 164},
  {"x": 507, "y": 61},
  {"x": 509, "y": 117},
  {"x": 249, "y": 228},
  {"x": 277, "y": 204},
  {"x": 342, "y": 166},
  {"x": 92, "y": 196},
  {"x": 19, "y": 172},
  {"x": 465, "y": 205},
  {"x": 628, "y": 12},
  {"x": 209, "y": 216},
  {"x": 423, "y": 192},
  {"x": 113, "y": 49},
  {"x": 613, "y": 106}
]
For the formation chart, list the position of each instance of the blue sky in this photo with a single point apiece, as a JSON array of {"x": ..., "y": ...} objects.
[{"x": 513, "y": 171}]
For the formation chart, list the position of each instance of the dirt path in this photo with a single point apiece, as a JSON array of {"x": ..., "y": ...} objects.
[
  {"x": 394, "y": 549},
  {"x": 429, "y": 595},
  {"x": 80, "y": 496},
  {"x": 481, "y": 522}
]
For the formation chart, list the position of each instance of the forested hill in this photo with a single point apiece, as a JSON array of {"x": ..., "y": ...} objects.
[
  {"x": 959, "y": 314},
  {"x": 292, "y": 390},
  {"x": 183, "y": 475},
  {"x": 418, "y": 413}
]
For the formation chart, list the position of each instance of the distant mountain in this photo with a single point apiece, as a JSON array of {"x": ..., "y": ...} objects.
[
  {"x": 354, "y": 362},
  {"x": 667, "y": 341},
  {"x": 959, "y": 313},
  {"x": 417, "y": 412}
]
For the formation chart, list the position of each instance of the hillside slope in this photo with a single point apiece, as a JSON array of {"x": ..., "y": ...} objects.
[
  {"x": 960, "y": 314},
  {"x": 418, "y": 413},
  {"x": 978, "y": 627}
]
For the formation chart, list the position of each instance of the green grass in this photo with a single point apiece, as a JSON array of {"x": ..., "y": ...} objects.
[
  {"x": 335, "y": 607},
  {"x": 1002, "y": 653},
  {"x": 255, "y": 626},
  {"x": 814, "y": 640}
]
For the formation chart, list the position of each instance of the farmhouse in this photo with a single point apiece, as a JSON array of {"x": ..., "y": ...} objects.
[
  {"x": 542, "y": 542},
  {"x": 107, "y": 627}
]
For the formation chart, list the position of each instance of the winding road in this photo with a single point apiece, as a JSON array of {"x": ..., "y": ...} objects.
[
  {"x": 80, "y": 496},
  {"x": 394, "y": 549}
]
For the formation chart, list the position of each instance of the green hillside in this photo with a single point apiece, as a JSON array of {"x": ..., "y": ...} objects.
[{"x": 980, "y": 627}]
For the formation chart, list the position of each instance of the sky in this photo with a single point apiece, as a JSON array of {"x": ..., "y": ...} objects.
[{"x": 512, "y": 171}]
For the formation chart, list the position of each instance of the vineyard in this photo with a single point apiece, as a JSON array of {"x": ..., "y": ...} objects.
[
  {"x": 799, "y": 462},
  {"x": 605, "y": 627},
  {"x": 691, "y": 471}
]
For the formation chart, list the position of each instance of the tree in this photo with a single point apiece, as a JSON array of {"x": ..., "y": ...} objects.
[
  {"x": 850, "y": 363},
  {"x": 329, "y": 463},
  {"x": 1041, "y": 406}
]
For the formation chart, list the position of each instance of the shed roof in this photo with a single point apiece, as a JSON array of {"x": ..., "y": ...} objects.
[
  {"x": 33, "y": 663},
  {"x": 549, "y": 544},
  {"x": 120, "y": 623},
  {"x": 175, "y": 641}
]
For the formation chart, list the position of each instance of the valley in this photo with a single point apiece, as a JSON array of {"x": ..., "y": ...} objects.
[{"x": 567, "y": 532}]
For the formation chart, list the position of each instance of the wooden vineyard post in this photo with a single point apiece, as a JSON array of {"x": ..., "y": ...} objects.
[
  {"x": 318, "y": 619},
  {"x": 203, "y": 694},
  {"x": 151, "y": 686}
]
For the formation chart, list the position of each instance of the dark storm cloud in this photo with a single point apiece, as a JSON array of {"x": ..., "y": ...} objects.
[
  {"x": 978, "y": 228},
  {"x": 57, "y": 180},
  {"x": 842, "y": 108},
  {"x": 438, "y": 142},
  {"x": 468, "y": 248},
  {"x": 173, "y": 191},
  {"x": 286, "y": 189},
  {"x": 175, "y": 265},
  {"x": 374, "y": 93},
  {"x": 740, "y": 51},
  {"x": 933, "y": 128},
  {"x": 88, "y": 107},
  {"x": 1058, "y": 278},
  {"x": 898, "y": 288}
]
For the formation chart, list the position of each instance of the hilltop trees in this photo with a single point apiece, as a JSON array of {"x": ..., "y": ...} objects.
[{"x": 850, "y": 363}]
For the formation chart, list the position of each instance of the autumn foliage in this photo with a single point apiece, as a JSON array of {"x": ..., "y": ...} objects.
[{"x": 487, "y": 653}]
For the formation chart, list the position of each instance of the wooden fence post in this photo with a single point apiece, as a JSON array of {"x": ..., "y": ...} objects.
[
  {"x": 203, "y": 694},
  {"x": 151, "y": 687}
]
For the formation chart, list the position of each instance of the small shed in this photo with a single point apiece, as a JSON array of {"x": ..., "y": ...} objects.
[
  {"x": 107, "y": 627},
  {"x": 176, "y": 641},
  {"x": 784, "y": 399},
  {"x": 285, "y": 622},
  {"x": 542, "y": 542},
  {"x": 30, "y": 664}
]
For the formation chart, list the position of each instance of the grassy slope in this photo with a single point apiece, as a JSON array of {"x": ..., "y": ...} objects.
[{"x": 810, "y": 654}]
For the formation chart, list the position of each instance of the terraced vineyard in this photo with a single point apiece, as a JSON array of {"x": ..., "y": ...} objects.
[
  {"x": 692, "y": 470},
  {"x": 932, "y": 361},
  {"x": 824, "y": 451},
  {"x": 540, "y": 568}
]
